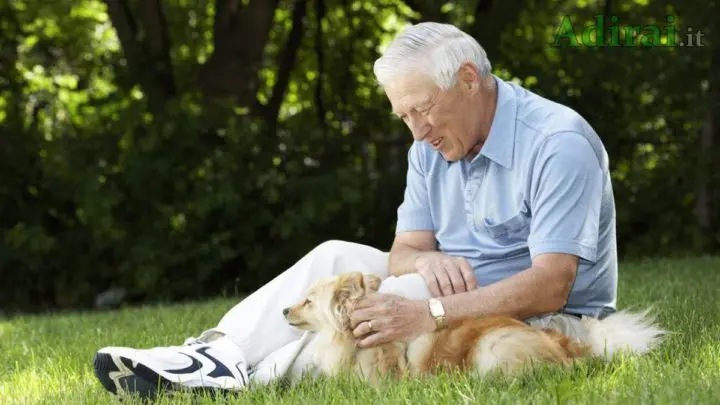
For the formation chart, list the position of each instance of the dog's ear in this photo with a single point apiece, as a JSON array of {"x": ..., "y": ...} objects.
[
  {"x": 372, "y": 282},
  {"x": 349, "y": 286}
]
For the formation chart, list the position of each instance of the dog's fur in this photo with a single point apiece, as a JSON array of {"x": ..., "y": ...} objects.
[{"x": 490, "y": 345}]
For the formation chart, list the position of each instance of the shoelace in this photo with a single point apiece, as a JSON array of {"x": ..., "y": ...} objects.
[
  {"x": 204, "y": 338},
  {"x": 192, "y": 341}
]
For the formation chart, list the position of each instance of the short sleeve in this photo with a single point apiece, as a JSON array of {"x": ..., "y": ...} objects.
[
  {"x": 414, "y": 211},
  {"x": 566, "y": 195}
]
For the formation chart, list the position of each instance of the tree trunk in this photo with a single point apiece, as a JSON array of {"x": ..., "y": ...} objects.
[
  {"x": 703, "y": 205},
  {"x": 713, "y": 120},
  {"x": 239, "y": 44},
  {"x": 286, "y": 63},
  {"x": 156, "y": 42},
  {"x": 146, "y": 45},
  {"x": 707, "y": 196},
  {"x": 10, "y": 34}
]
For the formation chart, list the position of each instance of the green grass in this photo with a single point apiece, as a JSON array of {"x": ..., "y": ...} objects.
[{"x": 47, "y": 359}]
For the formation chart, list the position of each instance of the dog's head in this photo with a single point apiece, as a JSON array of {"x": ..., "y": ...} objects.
[{"x": 328, "y": 302}]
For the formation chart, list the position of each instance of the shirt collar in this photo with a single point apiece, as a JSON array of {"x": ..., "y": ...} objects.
[{"x": 500, "y": 143}]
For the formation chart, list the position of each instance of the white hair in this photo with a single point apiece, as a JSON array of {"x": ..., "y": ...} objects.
[{"x": 435, "y": 49}]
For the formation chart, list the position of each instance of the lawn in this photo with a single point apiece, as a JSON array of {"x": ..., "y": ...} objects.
[{"x": 47, "y": 359}]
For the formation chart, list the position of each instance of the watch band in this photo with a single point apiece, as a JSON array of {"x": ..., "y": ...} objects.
[{"x": 438, "y": 312}]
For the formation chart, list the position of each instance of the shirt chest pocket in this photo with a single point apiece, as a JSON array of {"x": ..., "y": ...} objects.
[{"x": 507, "y": 228}]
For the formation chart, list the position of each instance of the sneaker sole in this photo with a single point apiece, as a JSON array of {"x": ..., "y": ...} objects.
[{"x": 142, "y": 380}]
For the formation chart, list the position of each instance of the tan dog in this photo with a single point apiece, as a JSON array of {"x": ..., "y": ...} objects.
[{"x": 498, "y": 345}]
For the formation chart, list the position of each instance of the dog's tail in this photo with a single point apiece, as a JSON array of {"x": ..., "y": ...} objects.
[{"x": 623, "y": 331}]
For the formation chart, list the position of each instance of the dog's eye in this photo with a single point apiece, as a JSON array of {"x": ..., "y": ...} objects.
[{"x": 308, "y": 301}]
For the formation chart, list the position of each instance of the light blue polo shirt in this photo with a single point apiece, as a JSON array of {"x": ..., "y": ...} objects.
[{"x": 540, "y": 184}]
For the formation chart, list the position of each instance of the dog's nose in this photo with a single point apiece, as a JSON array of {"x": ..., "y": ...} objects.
[{"x": 285, "y": 311}]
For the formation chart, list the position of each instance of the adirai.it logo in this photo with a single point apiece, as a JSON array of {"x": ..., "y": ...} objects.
[{"x": 610, "y": 31}]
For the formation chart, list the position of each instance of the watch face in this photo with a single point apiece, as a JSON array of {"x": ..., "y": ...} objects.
[{"x": 436, "y": 308}]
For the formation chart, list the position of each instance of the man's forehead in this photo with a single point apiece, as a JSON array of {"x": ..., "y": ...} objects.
[{"x": 409, "y": 91}]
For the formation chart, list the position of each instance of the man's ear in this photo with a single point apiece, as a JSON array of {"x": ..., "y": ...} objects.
[{"x": 468, "y": 76}]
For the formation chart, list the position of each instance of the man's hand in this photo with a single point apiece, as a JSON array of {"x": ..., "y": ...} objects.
[
  {"x": 393, "y": 318},
  {"x": 445, "y": 275}
]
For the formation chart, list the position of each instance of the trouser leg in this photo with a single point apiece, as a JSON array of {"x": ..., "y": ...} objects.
[
  {"x": 257, "y": 324},
  {"x": 567, "y": 324}
]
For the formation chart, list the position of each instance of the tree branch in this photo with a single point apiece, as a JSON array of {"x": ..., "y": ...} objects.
[
  {"x": 430, "y": 10},
  {"x": 488, "y": 30},
  {"x": 483, "y": 6},
  {"x": 608, "y": 9},
  {"x": 320, "y": 14},
  {"x": 350, "y": 86},
  {"x": 287, "y": 60}
]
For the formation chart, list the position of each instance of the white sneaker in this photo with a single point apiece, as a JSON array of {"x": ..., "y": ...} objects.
[{"x": 211, "y": 363}]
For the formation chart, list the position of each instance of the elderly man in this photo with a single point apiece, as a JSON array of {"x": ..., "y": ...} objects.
[{"x": 508, "y": 209}]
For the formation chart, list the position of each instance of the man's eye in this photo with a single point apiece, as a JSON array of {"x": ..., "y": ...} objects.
[{"x": 424, "y": 110}]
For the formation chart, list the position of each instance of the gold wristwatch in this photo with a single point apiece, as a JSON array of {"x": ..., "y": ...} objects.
[{"x": 438, "y": 312}]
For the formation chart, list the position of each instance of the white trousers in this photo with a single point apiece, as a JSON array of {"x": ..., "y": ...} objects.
[{"x": 273, "y": 348}]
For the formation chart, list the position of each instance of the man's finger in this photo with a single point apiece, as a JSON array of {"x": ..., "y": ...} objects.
[
  {"x": 456, "y": 278},
  {"x": 444, "y": 281},
  {"x": 431, "y": 281},
  {"x": 369, "y": 308},
  {"x": 363, "y": 328},
  {"x": 370, "y": 300},
  {"x": 361, "y": 315},
  {"x": 374, "y": 339},
  {"x": 468, "y": 274}
]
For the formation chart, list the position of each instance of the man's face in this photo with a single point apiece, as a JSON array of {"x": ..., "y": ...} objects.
[{"x": 444, "y": 119}]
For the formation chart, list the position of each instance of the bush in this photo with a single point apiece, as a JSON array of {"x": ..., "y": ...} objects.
[{"x": 170, "y": 207}]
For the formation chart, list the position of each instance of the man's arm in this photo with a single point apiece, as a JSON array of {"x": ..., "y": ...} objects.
[
  {"x": 414, "y": 232},
  {"x": 542, "y": 288},
  {"x": 415, "y": 248},
  {"x": 406, "y": 249},
  {"x": 537, "y": 290}
]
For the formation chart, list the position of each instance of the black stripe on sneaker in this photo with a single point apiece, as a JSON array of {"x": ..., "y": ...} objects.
[
  {"x": 220, "y": 369},
  {"x": 242, "y": 374},
  {"x": 141, "y": 380},
  {"x": 193, "y": 367}
]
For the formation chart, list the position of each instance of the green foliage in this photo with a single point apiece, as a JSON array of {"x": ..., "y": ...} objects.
[{"x": 118, "y": 172}]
